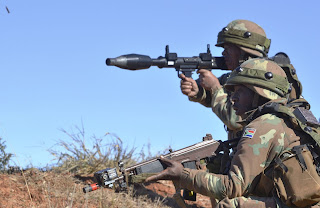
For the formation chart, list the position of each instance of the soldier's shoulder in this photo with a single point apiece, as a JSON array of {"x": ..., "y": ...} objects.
[
  {"x": 267, "y": 125},
  {"x": 266, "y": 120}
]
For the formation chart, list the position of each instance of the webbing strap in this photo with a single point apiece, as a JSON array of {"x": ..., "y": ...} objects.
[
  {"x": 281, "y": 165},
  {"x": 298, "y": 151},
  {"x": 315, "y": 159}
]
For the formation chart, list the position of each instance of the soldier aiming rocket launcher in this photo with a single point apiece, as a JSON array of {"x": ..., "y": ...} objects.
[
  {"x": 189, "y": 157},
  {"x": 185, "y": 65}
]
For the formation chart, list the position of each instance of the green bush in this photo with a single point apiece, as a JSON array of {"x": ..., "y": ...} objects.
[{"x": 4, "y": 157}]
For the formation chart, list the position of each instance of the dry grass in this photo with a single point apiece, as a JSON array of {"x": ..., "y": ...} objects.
[
  {"x": 77, "y": 159},
  {"x": 77, "y": 155},
  {"x": 49, "y": 189},
  {"x": 80, "y": 155}
]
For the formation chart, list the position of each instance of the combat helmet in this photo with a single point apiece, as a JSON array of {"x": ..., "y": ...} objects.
[
  {"x": 262, "y": 76},
  {"x": 249, "y": 36}
]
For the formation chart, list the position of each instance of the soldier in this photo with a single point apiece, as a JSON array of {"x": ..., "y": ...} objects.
[
  {"x": 266, "y": 170},
  {"x": 241, "y": 40}
]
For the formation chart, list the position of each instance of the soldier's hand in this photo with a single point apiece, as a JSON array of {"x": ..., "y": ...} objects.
[
  {"x": 172, "y": 172},
  {"x": 188, "y": 86},
  {"x": 208, "y": 80}
]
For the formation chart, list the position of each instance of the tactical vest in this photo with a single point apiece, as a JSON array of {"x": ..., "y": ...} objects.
[{"x": 294, "y": 176}]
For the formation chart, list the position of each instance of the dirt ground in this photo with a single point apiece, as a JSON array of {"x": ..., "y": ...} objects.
[
  {"x": 34, "y": 188},
  {"x": 166, "y": 189}
]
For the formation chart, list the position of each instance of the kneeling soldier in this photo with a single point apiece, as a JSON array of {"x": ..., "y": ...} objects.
[{"x": 272, "y": 166}]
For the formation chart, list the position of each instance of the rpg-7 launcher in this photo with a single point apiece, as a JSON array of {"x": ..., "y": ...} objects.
[
  {"x": 189, "y": 157},
  {"x": 186, "y": 65}
]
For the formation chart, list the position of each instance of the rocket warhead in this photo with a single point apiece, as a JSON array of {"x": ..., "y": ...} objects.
[{"x": 130, "y": 61}]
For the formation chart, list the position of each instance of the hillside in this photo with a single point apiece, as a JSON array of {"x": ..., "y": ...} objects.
[{"x": 34, "y": 188}]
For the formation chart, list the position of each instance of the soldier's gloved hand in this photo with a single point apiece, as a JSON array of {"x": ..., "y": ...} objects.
[
  {"x": 208, "y": 80},
  {"x": 172, "y": 172},
  {"x": 188, "y": 86}
]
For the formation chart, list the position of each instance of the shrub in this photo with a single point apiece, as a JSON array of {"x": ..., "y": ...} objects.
[
  {"x": 4, "y": 157},
  {"x": 83, "y": 156}
]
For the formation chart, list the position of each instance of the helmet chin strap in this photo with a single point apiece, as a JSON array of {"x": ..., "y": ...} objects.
[
  {"x": 255, "y": 100},
  {"x": 289, "y": 92},
  {"x": 244, "y": 56}
]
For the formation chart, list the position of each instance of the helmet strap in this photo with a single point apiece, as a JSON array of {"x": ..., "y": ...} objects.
[
  {"x": 255, "y": 100},
  {"x": 244, "y": 56},
  {"x": 289, "y": 93}
]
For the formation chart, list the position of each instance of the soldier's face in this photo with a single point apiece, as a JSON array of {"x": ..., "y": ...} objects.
[
  {"x": 231, "y": 54},
  {"x": 242, "y": 99}
]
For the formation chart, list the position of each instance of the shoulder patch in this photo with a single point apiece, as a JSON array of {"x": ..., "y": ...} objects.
[{"x": 249, "y": 132}]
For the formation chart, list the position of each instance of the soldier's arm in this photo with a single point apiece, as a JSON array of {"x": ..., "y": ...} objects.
[
  {"x": 218, "y": 99},
  {"x": 222, "y": 107},
  {"x": 252, "y": 156},
  {"x": 203, "y": 97}
]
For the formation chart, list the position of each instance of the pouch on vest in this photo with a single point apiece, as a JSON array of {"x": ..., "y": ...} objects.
[
  {"x": 264, "y": 185},
  {"x": 297, "y": 182}
]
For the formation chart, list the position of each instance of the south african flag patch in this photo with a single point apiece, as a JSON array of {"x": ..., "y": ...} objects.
[{"x": 249, "y": 132}]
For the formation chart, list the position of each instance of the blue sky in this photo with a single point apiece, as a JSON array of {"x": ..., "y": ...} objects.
[{"x": 53, "y": 72}]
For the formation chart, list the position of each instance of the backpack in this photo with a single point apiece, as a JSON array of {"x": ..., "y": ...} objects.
[{"x": 294, "y": 176}]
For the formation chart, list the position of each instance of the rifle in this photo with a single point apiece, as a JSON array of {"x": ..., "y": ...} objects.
[
  {"x": 185, "y": 65},
  {"x": 189, "y": 157}
]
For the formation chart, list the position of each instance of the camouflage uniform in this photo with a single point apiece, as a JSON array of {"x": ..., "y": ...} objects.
[
  {"x": 263, "y": 139},
  {"x": 253, "y": 155},
  {"x": 219, "y": 99}
]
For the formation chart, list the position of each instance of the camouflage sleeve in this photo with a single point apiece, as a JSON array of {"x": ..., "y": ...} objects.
[
  {"x": 222, "y": 107},
  {"x": 262, "y": 141},
  {"x": 219, "y": 101},
  {"x": 203, "y": 97}
]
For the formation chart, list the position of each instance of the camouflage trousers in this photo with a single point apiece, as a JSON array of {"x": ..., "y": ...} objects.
[{"x": 253, "y": 201}]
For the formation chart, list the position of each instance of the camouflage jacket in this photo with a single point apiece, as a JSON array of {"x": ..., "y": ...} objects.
[
  {"x": 219, "y": 101},
  {"x": 262, "y": 141}
]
